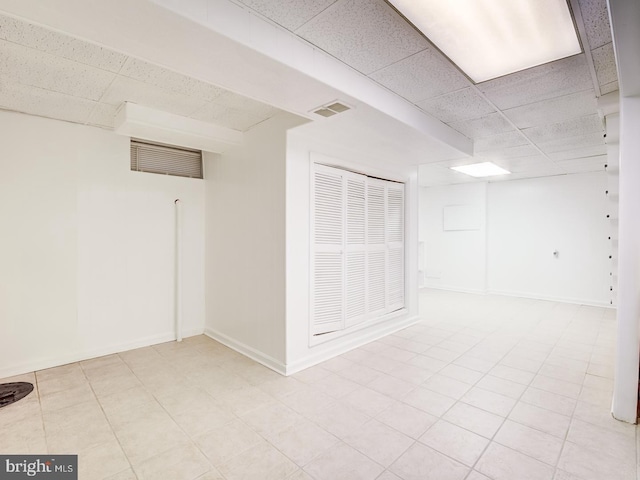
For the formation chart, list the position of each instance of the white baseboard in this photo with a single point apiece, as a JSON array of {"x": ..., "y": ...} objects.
[
  {"x": 475, "y": 291},
  {"x": 534, "y": 296},
  {"x": 338, "y": 347},
  {"x": 553, "y": 298},
  {"x": 246, "y": 350},
  {"x": 50, "y": 362}
]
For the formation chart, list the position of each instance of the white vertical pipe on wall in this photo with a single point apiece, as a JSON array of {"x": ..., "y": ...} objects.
[
  {"x": 625, "y": 394},
  {"x": 178, "y": 270}
]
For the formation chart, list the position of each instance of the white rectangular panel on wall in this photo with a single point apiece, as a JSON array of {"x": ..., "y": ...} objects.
[
  {"x": 461, "y": 217},
  {"x": 357, "y": 262}
]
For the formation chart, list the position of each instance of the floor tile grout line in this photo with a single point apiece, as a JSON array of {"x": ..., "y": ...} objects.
[
  {"x": 107, "y": 418},
  {"x": 507, "y": 417}
]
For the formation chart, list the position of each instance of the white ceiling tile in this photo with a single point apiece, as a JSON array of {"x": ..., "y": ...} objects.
[
  {"x": 555, "y": 79},
  {"x": 596, "y": 22},
  {"x": 227, "y": 117},
  {"x": 554, "y": 110},
  {"x": 453, "y": 162},
  {"x": 526, "y": 164},
  {"x": 422, "y": 76},
  {"x": 291, "y": 14},
  {"x": 507, "y": 153},
  {"x": 570, "y": 143},
  {"x": 246, "y": 105},
  {"x": 48, "y": 41},
  {"x": 103, "y": 115},
  {"x": 569, "y": 128},
  {"x": 491, "y": 124},
  {"x": 604, "y": 61},
  {"x": 235, "y": 111},
  {"x": 549, "y": 171},
  {"x": 168, "y": 80},
  {"x": 457, "y": 106},
  {"x": 588, "y": 164},
  {"x": 125, "y": 89},
  {"x": 435, "y": 174},
  {"x": 515, "y": 165},
  {"x": 609, "y": 87},
  {"x": 500, "y": 141},
  {"x": 365, "y": 34},
  {"x": 580, "y": 152},
  {"x": 38, "y": 69},
  {"x": 45, "y": 103}
]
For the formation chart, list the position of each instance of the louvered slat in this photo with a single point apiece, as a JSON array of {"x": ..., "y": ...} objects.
[
  {"x": 395, "y": 279},
  {"x": 355, "y": 245},
  {"x": 395, "y": 213},
  {"x": 355, "y": 287},
  {"x": 375, "y": 214},
  {"x": 328, "y": 292},
  {"x": 395, "y": 246},
  {"x": 328, "y": 228},
  {"x": 356, "y": 219},
  {"x": 328, "y": 289},
  {"x": 165, "y": 160},
  {"x": 376, "y": 280}
]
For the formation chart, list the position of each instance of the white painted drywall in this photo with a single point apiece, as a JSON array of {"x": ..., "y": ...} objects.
[
  {"x": 625, "y": 397},
  {"x": 530, "y": 219},
  {"x": 453, "y": 259},
  {"x": 302, "y": 145},
  {"x": 87, "y": 246},
  {"x": 245, "y": 235},
  {"x": 526, "y": 221}
]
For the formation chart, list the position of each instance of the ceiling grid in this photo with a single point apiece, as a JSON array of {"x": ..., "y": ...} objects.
[
  {"x": 539, "y": 121},
  {"x": 520, "y": 103}
]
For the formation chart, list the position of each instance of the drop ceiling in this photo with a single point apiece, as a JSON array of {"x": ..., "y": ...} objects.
[
  {"x": 50, "y": 74},
  {"x": 541, "y": 121},
  {"x": 537, "y": 122}
]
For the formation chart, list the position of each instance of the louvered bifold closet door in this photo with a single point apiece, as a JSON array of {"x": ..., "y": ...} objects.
[
  {"x": 327, "y": 290},
  {"x": 395, "y": 246},
  {"x": 356, "y": 266},
  {"x": 376, "y": 246}
]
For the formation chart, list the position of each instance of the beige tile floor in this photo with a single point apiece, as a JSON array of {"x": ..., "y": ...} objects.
[{"x": 483, "y": 388}]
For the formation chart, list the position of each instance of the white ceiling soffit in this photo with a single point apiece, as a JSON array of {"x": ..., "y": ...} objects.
[
  {"x": 155, "y": 125},
  {"x": 54, "y": 75}
]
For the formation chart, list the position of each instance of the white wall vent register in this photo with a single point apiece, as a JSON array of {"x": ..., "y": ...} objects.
[
  {"x": 153, "y": 158},
  {"x": 358, "y": 248}
]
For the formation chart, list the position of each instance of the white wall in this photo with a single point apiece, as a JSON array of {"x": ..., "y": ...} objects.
[
  {"x": 245, "y": 235},
  {"x": 302, "y": 144},
  {"x": 526, "y": 221},
  {"x": 530, "y": 219},
  {"x": 87, "y": 246},
  {"x": 455, "y": 259}
]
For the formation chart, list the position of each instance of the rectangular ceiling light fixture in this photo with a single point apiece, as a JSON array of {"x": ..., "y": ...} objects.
[
  {"x": 490, "y": 38},
  {"x": 484, "y": 169}
]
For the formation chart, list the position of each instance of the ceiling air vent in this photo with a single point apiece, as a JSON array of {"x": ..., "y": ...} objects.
[{"x": 331, "y": 109}]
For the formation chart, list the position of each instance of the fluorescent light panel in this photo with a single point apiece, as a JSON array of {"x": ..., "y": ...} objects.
[
  {"x": 491, "y": 38},
  {"x": 484, "y": 169}
]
